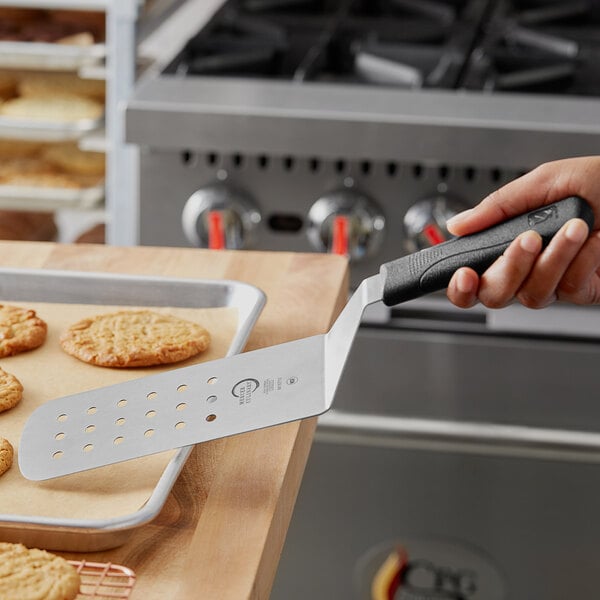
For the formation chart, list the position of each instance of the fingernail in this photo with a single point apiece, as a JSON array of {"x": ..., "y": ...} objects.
[
  {"x": 531, "y": 242},
  {"x": 576, "y": 231},
  {"x": 464, "y": 283},
  {"x": 459, "y": 217}
]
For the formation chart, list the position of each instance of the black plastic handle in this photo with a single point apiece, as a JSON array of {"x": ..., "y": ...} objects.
[{"x": 431, "y": 269}]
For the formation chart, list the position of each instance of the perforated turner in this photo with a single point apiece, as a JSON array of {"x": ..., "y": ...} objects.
[{"x": 256, "y": 389}]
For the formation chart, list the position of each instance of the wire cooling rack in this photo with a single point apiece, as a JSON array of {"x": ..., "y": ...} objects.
[{"x": 103, "y": 580}]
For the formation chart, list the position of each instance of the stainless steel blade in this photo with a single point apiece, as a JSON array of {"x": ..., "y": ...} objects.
[{"x": 194, "y": 404}]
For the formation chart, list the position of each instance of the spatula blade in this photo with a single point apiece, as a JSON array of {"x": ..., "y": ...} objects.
[{"x": 178, "y": 408}]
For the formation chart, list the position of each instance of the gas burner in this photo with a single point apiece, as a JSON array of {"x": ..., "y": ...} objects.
[
  {"x": 398, "y": 43},
  {"x": 538, "y": 47}
]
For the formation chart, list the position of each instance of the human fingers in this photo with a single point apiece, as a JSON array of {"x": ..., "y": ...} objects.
[
  {"x": 541, "y": 286},
  {"x": 581, "y": 282},
  {"x": 463, "y": 286},
  {"x": 502, "y": 281},
  {"x": 545, "y": 184}
]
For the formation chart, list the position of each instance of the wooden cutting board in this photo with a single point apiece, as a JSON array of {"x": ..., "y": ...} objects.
[{"x": 238, "y": 493}]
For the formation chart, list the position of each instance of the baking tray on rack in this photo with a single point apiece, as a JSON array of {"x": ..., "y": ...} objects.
[
  {"x": 47, "y": 131},
  {"x": 20, "y": 197},
  {"x": 74, "y": 288},
  {"x": 50, "y": 56}
]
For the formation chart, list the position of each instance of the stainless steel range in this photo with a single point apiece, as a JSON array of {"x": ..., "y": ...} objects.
[{"x": 463, "y": 446}]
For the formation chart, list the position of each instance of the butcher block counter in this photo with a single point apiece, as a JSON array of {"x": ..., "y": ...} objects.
[{"x": 220, "y": 533}]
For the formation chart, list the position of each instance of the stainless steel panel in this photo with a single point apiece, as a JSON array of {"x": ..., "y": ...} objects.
[
  {"x": 535, "y": 520},
  {"x": 264, "y": 116},
  {"x": 479, "y": 377},
  {"x": 289, "y": 185}
]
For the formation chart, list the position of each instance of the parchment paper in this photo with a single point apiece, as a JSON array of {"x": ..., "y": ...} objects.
[{"x": 48, "y": 372}]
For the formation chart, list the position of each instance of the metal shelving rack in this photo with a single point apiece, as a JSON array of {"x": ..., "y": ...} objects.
[{"x": 121, "y": 189}]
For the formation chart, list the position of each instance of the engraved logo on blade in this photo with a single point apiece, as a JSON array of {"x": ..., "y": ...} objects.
[
  {"x": 244, "y": 389},
  {"x": 539, "y": 216}
]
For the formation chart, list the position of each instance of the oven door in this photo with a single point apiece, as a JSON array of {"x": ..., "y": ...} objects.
[{"x": 474, "y": 451}]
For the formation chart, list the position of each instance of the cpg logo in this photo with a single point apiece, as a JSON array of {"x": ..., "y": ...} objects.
[
  {"x": 539, "y": 216},
  {"x": 244, "y": 389}
]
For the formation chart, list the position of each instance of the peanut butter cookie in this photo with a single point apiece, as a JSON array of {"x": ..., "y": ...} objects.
[
  {"x": 71, "y": 159},
  {"x": 6, "y": 460},
  {"x": 137, "y": 338},
  {"x": 32, "y": 574},
  {"x": 20, "y": 330},
  {"x": 11, "y": 391}
]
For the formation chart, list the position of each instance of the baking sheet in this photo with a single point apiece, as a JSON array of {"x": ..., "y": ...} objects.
[
  {"x": 98, "y": 509},
  {"x": 20, "y": 197},
  {"x": 49, "y": 56},
  {"x": 47, "y": 131}
]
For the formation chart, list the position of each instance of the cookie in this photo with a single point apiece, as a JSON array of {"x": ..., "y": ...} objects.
[
  {"x": 18, "y": 15},
  {"x": 20, "y": 330},
  {"x": 53, "y": 84},
  {"x": 12, "y": 149},
  {"x": 27, "y": 226},
  {"x": 94, "y": 235},
  {"x": 8, "y": 85},
  {"x": 71, "y": 159},
  {"x": 77, "y": 39},
  {"x": 45, "y": 180},
  {"x": 52, "y": 108},
  {"x": 32, "y": 574},
  {"x": 136, "y": 338},
  {"x": 11, "y": 391},
  {"x": 6, "y": 459},
  {"x": 18, "y": 167}
]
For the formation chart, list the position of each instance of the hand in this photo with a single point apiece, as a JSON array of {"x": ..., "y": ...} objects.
[{"x": 569, "y": 267}]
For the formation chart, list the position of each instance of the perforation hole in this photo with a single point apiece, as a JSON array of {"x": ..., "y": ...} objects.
[
  {"x": 238, "y": 161},
  {"x": 59, "y": 436},
  {"x": 288, "y": 163},
  {"x": 149, "y": 433},
  {"x": 62, "y": 418},
  {"x": 150, "y": 414},
  {"x": 120, "y": 421},
  {"x": 365, "y": 167},
  {"x": 58, "y": 454},
  {"x": 417, "y": 171},
  {"x": 90, "y": 428},
  {"x": 180, "y": 425},
  {"x": 340, "y": 166},
  {"x": 211, "y": 418},
  {"x": 314, "y": 164},
  {"x": 212, "y": 158},
  {"x": 263, "y": 161},
  {"x": 212, "y": 380},
  {"x": 118, "y": 440},
  {"x": 211, "y": 399},
  {"x": 391, "y": 169},
  {"x": 92, "y": 410},
  {"x": 88, "y": 447},
  {"x": 181, "y": 388},
  {"x": 152, "y": 396},
  {"x": 122, "y": 403},
  {"x": 181, "y": 406}
]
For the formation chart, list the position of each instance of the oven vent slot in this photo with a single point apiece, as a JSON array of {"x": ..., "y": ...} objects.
[{"x": 366, "y": 168}]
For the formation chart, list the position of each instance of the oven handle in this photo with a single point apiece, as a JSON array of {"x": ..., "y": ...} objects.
[{"x": 454, "y": 436}]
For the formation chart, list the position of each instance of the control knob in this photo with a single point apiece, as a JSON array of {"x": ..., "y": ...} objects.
[
  {"x": 219, "y": 216},
  {"x": 346, "y": 222},
  {"x": 425, "y": 221}
]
